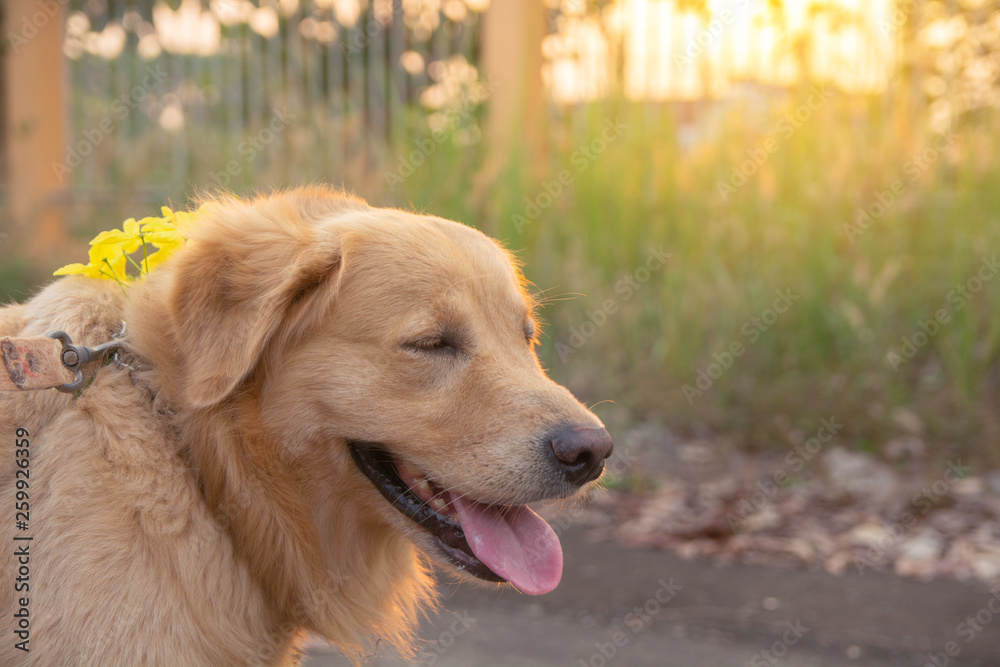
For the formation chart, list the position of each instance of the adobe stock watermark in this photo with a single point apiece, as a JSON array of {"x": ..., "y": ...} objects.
[
  {"x": 622, "y": 460},
  {"x": 957, "y": 298},
  {"x": 275, "y": 641},
  {"x": 355, "y": 44},
  {"x": 626, "y": 288},
  {"x": 922, "y": 502},
  {"x": 637, "y": 620},
  {"x": 882, "y": 200},
  {"x": 121, "y": 107},
  {"x": 752, "y": 330},
  {"x": 785, "y": 127},
  {"x": 968, "y": 630},
  {"x": 462, "y": 624},
  {"x": 900, "y": 11},
  {"x": 581, "y": 158},
  {"x": 710, "y": 34},
  {"x": 425, "y": 147},
  {"x": 768, "y": 488},
  {"x": 779, "y": 649},
  {"x": 253, "y": 146},
  {"x": 47, "y": 10}
]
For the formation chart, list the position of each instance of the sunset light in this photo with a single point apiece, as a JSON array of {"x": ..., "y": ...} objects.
[{"x": 671, "y": 52}]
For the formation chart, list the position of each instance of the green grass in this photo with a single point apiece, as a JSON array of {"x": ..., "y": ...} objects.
[
  {"x": 829, "y": 353},
  {"x": 16, "y": 281},
  {"x": 781, "y": 230}
]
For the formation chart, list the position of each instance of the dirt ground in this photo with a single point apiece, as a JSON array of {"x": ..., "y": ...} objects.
[
  {"x": 641, "y": 606},
  {"x": 698, "y": 554}
]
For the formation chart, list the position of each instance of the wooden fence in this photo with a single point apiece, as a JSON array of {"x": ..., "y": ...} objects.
[
  {"x": 149, "y": 98},
  {"x": 159, "y": 99}
]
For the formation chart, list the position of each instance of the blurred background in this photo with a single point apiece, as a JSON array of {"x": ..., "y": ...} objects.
[{"x": 764, "y": 233}]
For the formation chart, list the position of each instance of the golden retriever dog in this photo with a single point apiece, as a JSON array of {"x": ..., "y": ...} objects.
[{"x": 315, "y": 402}]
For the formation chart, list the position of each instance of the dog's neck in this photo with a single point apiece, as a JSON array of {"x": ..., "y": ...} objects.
[{"x": 325, "y": 565}]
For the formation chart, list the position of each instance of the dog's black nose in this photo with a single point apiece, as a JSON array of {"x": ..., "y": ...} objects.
[{"x": 580, "y": 451}]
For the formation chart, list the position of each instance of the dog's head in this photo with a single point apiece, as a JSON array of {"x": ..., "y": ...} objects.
[{"x": 383, "y": 364}]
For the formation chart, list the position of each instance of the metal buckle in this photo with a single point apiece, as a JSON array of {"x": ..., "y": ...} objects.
[{"x": 75, "y": 357}]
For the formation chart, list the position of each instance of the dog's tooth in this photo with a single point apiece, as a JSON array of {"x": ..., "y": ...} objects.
[
  {"x": 415, "y": 479},
  {"x": 424, "y": 489},
  {"x": 437, "y": 504},
  {"x": 406, "y": 470}
]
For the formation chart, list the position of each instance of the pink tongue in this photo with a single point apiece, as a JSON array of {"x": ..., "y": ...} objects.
[{"x": 515, "y": 543}]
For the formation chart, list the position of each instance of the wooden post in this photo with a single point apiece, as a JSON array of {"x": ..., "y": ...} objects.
[
  {"x": 35, "y": 114},
  {"x": 518, "y": 109}
]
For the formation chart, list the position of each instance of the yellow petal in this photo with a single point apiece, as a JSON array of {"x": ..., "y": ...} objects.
[
  {"x": 167, "y": 245},
  {"x": 111, "y": 236},
  {"x": 154, "y": 260},
  {"x": 158, "y": 225},
  {"x": 117, "y": 241},
  {"x": 110, "y": 260},
  {"x": 70, "y": 269},
  {"x": 116, "y": 271},
  {"x": 149, "y": 220},
  {"x": 161, "y": 239},
  {"x": 79, "y": 269},
  {"x": 131, "y": 228},
  {"x": 181, "y": 219}
]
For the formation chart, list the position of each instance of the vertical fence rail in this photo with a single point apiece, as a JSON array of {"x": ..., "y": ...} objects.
[
  {"x": 242, "y": 93},
  {"x": 34, "y": 115}
]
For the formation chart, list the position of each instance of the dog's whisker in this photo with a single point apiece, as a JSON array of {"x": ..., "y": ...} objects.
[
  {"x": 543, "y": 300},
  {"x": 558, "y": 297}
]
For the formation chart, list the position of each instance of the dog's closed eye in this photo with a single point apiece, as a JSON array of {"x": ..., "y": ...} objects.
[{"x": 435, "y": 344}]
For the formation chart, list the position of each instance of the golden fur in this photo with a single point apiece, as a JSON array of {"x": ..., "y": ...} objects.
[{"x": 196, "y": 504}]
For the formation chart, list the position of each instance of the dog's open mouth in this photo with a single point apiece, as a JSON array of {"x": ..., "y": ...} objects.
[{"x": 492, "y": 542}]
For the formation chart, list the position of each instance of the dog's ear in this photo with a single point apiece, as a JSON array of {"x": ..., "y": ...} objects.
[{"x": 249, "y": 271}]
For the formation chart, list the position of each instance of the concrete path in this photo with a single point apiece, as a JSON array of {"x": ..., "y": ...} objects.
[{"x": 620, "y": 606}]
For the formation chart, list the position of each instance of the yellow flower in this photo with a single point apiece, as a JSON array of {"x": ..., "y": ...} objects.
[
  {"x": 109, "y": 251},
  {"x": 162, "y": 233},
  {"x": 125, "y": 241},
  {"x": 166, "y": 237},
  {"x": 109, "y": 259},
  {"x": 161, "y": 255},
  {"x": 178, "y": 218}
]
